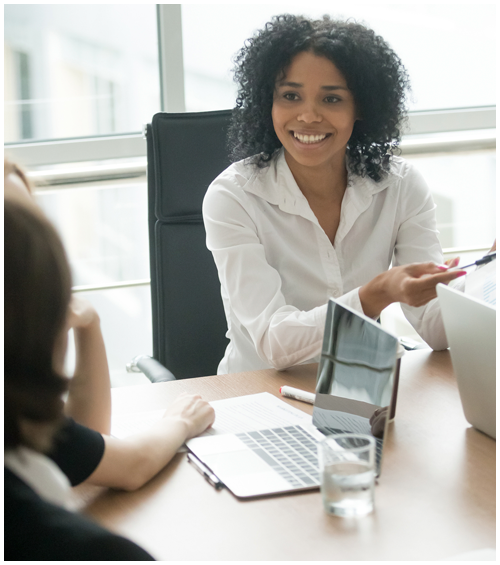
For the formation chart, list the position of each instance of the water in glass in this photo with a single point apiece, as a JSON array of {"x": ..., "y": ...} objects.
[{"x": 348, "y": 488}]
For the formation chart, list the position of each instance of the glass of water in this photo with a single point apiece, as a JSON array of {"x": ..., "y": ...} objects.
[{"x": 347, "y": 469}]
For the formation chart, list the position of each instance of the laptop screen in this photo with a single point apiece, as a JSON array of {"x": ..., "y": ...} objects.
[{"x": 355, "y": 375}]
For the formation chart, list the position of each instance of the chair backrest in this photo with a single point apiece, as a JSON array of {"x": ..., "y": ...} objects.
[{"x": 185, "y": 153}]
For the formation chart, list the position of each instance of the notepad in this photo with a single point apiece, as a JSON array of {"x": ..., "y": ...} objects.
[
  {"x": 232, "y": 415},
  {"x": 482, "y": 284}
]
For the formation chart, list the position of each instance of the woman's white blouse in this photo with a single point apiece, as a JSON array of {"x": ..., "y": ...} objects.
[
  {"x": 278, "y": 268},
  {"x": 41, "y": 474}
]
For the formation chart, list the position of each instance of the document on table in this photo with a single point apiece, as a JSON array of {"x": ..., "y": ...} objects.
[
  {"x": 232, "y": 415},
  {"x": 482, "y": 283}
]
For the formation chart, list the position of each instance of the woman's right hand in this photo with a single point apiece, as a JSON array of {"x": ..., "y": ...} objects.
[
  {"x": 130, "y": 462},
  {"x": 193, "y": 411},
  {"x": 413, "y": 284}
]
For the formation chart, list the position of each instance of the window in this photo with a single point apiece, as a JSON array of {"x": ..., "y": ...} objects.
[
  {"x": 79, "y": 70},
  {"x": 463, "y": 189},
  {"x": 23, "y": 83},
  {"x": 104, "y": 226},
  {"x": 449, "y": 52}
]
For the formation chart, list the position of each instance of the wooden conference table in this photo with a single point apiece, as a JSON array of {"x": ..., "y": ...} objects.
[{"x": 435, "y": 498}]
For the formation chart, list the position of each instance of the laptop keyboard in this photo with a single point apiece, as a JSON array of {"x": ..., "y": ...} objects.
[{"x": 290, "y": 451}]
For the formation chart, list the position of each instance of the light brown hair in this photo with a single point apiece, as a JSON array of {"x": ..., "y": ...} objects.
[
  {"x": 37, "y": 283},
  {"x": 10, "y": 167}
]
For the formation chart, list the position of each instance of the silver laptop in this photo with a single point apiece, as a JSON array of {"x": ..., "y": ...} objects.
[
  {"x": 470, "y": 326},
  {"x": 353, "y": 394}
]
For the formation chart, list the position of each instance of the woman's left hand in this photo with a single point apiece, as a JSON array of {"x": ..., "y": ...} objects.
[
  {"x": 89, "y": 398},
  {"x": 81, "y": 313},
  {"x": 452, "y": 263},
  {"x": 413, "y": 284}
]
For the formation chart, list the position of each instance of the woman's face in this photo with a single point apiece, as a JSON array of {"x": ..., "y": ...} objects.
[{"x": 313, "y": 111}]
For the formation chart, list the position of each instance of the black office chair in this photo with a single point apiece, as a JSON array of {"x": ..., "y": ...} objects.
[{"x": 185, "y": 153}]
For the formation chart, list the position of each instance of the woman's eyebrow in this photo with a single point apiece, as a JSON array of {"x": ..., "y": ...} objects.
[
  {"x": 290, "y": 84},
  {"x": 300, "y": 85},
  {"x": 336, "y": 87}
]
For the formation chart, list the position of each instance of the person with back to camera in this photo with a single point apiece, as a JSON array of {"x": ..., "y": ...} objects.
[
  {"x": 315, "y": 203},
  {"x": 46, "y": 452},
  {"x": 89, "y": 395}
]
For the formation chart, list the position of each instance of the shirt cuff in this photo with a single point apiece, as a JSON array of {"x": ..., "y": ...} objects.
[{"x": 352, "y": 300}]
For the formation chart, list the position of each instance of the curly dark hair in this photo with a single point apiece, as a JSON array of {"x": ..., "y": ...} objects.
[{"x": 374, "y": 74}]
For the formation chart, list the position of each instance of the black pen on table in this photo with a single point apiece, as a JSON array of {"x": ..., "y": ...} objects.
[{"x": 205, "y": 472}]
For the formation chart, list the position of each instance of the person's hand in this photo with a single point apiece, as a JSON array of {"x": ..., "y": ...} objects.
[
  {"x": 193, "y": 411},
  {"x": 452, "y": 263},
  {"x": 413, "y": 284},
  {"x": 89, "y": 398},
  {"x": 494, "y": 247},
  {"x": 81, "y": 313}
]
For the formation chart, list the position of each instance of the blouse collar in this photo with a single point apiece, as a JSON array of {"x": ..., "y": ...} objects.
[
  {"x": 276, "y": 184},
  {"x": 41, "y": 474}
]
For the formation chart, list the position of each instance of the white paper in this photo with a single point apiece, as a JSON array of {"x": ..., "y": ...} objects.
[
  {"x": 254, "y": 412},
  {"x": 123, "y": 425},
  {"x": 482, "y": 283},
  {"x": 232, "y": 415}
]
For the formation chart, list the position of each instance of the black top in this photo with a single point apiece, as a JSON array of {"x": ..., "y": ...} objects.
[
  {"x": 77, "y": 451},
  {"x": 35, "y": 529}
]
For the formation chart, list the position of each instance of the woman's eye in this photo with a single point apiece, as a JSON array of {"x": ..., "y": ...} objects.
[
  {"x": 332, "y": 99},
  {"x": 290, "y": 96}
]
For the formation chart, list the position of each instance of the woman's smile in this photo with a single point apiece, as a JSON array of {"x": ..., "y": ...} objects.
[{"x": 311, "y": 138}]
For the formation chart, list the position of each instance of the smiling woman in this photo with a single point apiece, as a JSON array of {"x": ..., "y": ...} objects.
[
  {"x": 317, "y": 204},
  {"x": 313, "y": 124},
  {"x": 365, "y": 65}
]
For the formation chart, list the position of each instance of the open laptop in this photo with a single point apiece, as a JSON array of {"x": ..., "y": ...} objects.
[
  {"x": 470, "y": 326},
  {"x": 355, "y": 380}
]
